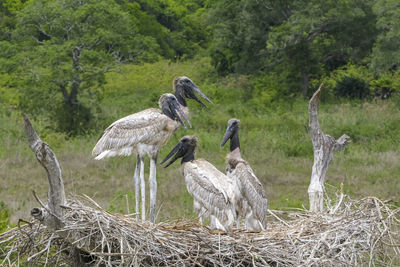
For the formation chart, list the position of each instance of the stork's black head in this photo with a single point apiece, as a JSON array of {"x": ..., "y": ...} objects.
[
  {"x": 169, "y": 106},
  {"x": 231, "y": 131},
  {"x": 185, "y": 88},
  {"x": 184, "y": 149}
]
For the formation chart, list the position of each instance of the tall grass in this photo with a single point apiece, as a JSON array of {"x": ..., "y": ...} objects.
[{"x": 274, "y": 140}]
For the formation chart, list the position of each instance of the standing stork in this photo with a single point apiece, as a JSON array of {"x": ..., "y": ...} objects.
[
  {"x": 183, "y": 88},
  {"x": 212, "y": 191},
  {"x": 253, "y": 203},
  {"x": 145, "y": 132}
]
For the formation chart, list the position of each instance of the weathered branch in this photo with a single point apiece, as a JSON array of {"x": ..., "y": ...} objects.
[
  {"x": 323, "y": 146},
  {"x": 47, "y": 158},
  {"x": 52, "y": 216}
]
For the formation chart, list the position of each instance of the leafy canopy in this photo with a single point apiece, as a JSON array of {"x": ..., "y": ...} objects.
[{"x": 66, "y": 47}]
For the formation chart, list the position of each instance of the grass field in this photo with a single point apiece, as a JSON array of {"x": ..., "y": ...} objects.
[{"x": 274, "y": 140}]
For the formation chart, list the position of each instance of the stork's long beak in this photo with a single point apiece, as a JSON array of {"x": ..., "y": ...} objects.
[
  {"x": 178, "y": 149},
  {"x": 183, "y": 116},
  {"x": 228, "y": 134},
  {"x": 193, "y": 95},
  {"x": 176, "y": 107}
]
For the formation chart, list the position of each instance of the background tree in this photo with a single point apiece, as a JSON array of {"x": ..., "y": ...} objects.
[
  {"x": 65, "y": 49},
  {"x": 178, "y": 26},
  {"x": 386, "y": 53},
  {"x": 320, "y": 36},
  {"x": 240, "y": 29}
]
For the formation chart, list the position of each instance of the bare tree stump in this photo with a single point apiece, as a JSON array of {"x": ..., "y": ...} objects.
[
  {"x": 323, "y": 146},
  {"x": 52, "y": 215}
]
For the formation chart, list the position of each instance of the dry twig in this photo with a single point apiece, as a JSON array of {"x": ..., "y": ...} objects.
[{"x": 358, "y": 233}]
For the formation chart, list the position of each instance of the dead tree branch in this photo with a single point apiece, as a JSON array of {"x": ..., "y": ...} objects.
[
  {"x": 323, "y": 145},
  {"x": 47, "y": 158}
]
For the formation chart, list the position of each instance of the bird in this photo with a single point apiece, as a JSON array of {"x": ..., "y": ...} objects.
[
  {"x": 212, "y": 191},
  {"x": 252, "y": 203},
  {"x": 141, "y": 133},
  {"x": 183, "y": 88},
  {"x": 186, "y": 88}
]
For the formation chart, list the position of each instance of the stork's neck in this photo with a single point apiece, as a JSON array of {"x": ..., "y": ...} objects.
[
  {"x": 235, "y": 153},
  {"x": 188, "y": 157},
  {"x": 179, "y": 95},
  {"x": 235, "y": 144},
  {"x": 185, "y": 110}
]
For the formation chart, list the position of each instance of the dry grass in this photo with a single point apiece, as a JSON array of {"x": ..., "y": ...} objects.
[{"x": 351, "y": 233}]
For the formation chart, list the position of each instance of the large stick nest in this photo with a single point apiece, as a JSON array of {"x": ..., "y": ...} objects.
[{"x": 352, "y": 233}]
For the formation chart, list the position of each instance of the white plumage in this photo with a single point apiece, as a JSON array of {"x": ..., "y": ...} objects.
[
  {"x": 146, "y": 132},
  {"x": 142, "y": 133},
  {"x": 252, "y": 203},
  {"x": 123, "y": 137},
  {"x": 213, "y": 192}
]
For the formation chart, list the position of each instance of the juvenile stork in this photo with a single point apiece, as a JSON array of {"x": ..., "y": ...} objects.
[
  {"x": 253, "y": 203},
  {"x": 211, "y": 190},
  {"x": 183, "y": 88},
  {"x": 186, "y": 88},
  {"x": 145, "y": 132}
]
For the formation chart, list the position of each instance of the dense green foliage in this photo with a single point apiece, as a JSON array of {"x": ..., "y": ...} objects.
[
  {"x": 75, "y": 66},
  {"x": 54, "y": 54}
]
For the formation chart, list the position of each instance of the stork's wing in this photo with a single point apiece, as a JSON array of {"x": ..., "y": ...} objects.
[
  {"x": 123, "y": 135},
  {"x": 252, "y": 190},
  {"x": 200, "y": 182},
  {"x": 223, "y": 183}
]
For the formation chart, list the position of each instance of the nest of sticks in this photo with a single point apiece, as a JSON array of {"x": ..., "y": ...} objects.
[{"x": 350, "y": 233}]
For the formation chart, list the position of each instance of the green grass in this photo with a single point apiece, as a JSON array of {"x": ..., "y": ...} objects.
[{"x": 274, "y": 140}]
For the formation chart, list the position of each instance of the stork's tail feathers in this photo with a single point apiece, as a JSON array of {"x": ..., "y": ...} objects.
[
  {"x": 101, "y": 156},
  {"x": 97, "y": 150},
  {"x": 126, "y": 151}
]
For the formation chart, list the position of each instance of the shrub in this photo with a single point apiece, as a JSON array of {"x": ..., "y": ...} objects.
[
  {"x": 385, "y": 85},
  {"x": 352, "y": 87}
]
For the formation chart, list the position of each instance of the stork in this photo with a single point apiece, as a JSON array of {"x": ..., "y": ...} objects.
[
  {"x": 145, "y": 132},
  {"x": 183, "y": 88},
  {"x": 186, "y": 88},
  {"x": 212, "y": 191},
  {"x": 253, "y": 203}
]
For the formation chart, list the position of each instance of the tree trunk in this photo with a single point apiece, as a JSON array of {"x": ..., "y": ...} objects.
[
  {"x": 76, "y": 79},
  {"x": 305, "y": 82},
  {"x": 323, "y": 146}
]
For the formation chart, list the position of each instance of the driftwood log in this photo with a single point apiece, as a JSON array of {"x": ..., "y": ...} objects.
[{"x": 323, "y": 145}]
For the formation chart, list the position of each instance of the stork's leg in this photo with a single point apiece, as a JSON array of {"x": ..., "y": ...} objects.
[
  {"x": 212, "y": 222},
  {"x": 137, "y": 184},
  {"x": 216, "y": 224},
  {"x": 143, "y": 188},
  {"x": 197, "y": 208},
  {"x": 238, "y": 222},
  {"x": 153, "y": 188},
  {"x": 252, "y": 224}
]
